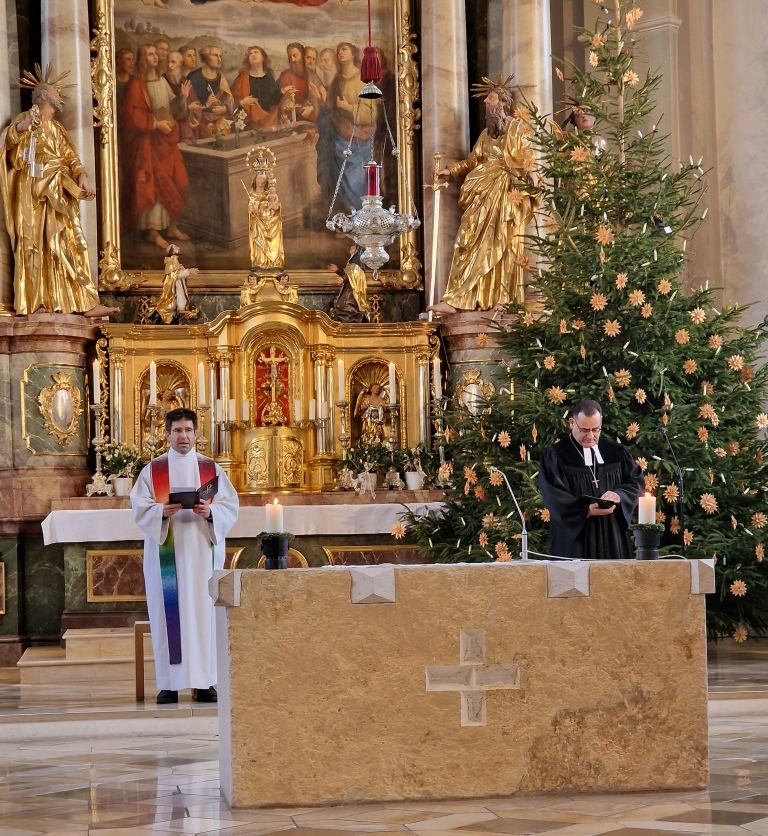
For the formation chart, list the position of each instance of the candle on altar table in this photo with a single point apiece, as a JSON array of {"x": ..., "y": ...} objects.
[
  {"x": 392, "y": 384},
  {"x": 646, "y": 510},
  {"x": 231, "y": 410},
  {"x": 274, "y": 524},
  {"x": 244, "y": 410},
  {"x": 312, "y": 409},
  {"x": 323, "y": 409},
  {"x": 96, "y": 382},
  {"x": 200, "y": 384},
  {"x": 153, "y": 383},
  {"x": 436, "y": 382},
  {"x": 219, "y": 411},
  {"x": 296, "y": 411},
  {"x": 342, "y": 378}
]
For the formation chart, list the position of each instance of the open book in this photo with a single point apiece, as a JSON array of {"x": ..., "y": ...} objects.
[{"x": 189, "y": 497}]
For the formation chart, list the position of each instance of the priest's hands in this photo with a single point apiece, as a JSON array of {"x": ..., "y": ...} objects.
[
  {"x": 595, "y": 510},
  {"x": 170, "y": 508},
  {"x": 203, "y": 510}
]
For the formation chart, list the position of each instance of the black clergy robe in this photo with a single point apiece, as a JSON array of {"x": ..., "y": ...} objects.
[{"x": 564, "y": 479}]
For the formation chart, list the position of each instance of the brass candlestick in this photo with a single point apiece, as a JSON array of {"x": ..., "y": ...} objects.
[
  {"x": 202, "y": 441},
  {"x": 154, "y": 440},
  {"x": 99, "y": 486},
  {"x": 443, "y": 480},
  {"x": 345, "y": 481},
  {"x": 392, "y": 480}
]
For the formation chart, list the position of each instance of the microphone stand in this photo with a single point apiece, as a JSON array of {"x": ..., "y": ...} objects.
[
  {"x": 524, "y": 535},
  {"x": 681, "y": 511}
]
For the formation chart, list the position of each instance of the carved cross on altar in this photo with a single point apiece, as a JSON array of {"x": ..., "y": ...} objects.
[
  {"x": 472, "y": 677},
  {"x": 273, "y": 413}
]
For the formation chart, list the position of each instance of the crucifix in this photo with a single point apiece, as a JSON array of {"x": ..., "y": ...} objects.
[{"x": 273, "y": 413}]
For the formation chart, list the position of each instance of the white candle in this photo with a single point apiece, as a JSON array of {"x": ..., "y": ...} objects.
[
  {"x": 296, "y": 411},
  {"x": 219, "y": 410},
  {"x": 323, "y": 410},
  {"x": 96, "y": 382},
  {"x": 646, "y": 512},
  {"x": 342, "y": 378},
  {"x": 244, "y": 410},
  {"x": 153, "y": 383},
  {"x": 312, "y": 409},
  {"x": 274, "y": 524},
  {"x": 392, "y": 384},
  {"x": 231, "y": 410},
  {"x": 200, "y": 384},
  {"x": 436, "y": 378}
]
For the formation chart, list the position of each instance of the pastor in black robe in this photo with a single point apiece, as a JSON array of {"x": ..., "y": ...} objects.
[{"x": 564, "y": 480}]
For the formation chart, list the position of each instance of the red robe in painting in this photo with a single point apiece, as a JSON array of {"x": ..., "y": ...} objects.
[{"x": 150, "y": 160}]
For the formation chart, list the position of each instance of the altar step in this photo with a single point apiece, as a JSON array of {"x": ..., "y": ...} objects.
[{"x": 89, "y": 657}]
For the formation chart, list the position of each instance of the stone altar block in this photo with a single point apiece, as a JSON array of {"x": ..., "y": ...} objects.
[{"x": 461, "y": 681}]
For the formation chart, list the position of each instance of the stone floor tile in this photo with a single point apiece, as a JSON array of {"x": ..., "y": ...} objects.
[
  {"x": 529, "y": 824},
  {"x": 452, "y": 821}
]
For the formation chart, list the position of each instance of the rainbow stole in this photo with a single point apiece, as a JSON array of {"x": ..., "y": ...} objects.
[{"x": 161, "y": 485}]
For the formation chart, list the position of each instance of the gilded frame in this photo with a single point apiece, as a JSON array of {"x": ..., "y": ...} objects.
[
  {"x": 77, "y": 422},
  {"x": 113, "y": 278},
  {"x": 332, "y": 551},
  {"x": 2, "y": 588},
  {"x": 232, "y": 555}
]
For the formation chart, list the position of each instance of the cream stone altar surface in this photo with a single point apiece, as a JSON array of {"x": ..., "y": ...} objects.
[{"x": 342, "y": 685}]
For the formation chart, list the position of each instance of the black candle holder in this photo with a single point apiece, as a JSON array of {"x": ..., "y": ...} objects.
[
  {"x": 647, "y": 540},
  {"x": 274, "y": 547}
]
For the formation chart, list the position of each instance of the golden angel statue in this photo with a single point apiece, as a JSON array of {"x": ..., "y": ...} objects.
[
  {"x": 42, "y": 182},
  {"x": 370, "y": 409},
  {"x": 498, "y": 198},
  {"x": 265, "y": 220}
]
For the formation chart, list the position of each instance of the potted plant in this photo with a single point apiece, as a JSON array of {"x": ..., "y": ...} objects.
[
  {"x": 122, "y": 463},
  {"x": 365, "y": 459},
  {"x": 274, "y": 547},
  {"x": 647, "y": 538},
  {"x": 413, "y": 462}
]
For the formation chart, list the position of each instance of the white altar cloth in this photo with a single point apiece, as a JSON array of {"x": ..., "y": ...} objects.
[{"x": 83, "y": 526}]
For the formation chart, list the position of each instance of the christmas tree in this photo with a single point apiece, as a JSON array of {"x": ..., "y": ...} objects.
[{"x": 609, "y": 318}]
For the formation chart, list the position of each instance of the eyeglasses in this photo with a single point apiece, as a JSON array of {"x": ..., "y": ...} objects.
[{"x": 588, "y": 430}]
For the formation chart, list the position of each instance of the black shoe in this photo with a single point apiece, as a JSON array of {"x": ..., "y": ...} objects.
[
  {"x": 167, "y": 697},
  {"x": 205, "y": 694}
]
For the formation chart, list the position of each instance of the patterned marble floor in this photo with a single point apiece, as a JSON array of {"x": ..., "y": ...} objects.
[{"x": 140, "y": 783}]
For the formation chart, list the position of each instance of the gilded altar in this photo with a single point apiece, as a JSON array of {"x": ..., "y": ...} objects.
[{"x": 274, "y": 385}]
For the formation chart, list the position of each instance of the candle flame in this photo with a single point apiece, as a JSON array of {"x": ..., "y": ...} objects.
[{"x": 274, "y": 501}]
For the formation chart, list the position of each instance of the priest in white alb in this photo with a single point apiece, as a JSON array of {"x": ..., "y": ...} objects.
[{"x": 182, "y": 548}]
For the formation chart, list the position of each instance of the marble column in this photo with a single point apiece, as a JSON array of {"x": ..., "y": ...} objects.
[
  {"x": 737, "y": 111},
  {"x": 445, "y": 123},
  {"x": 658, "y": 32},
  {"x": 6, "y": 255},
  {"x": 66, "y": 46},
  {"x": 527, "y": 49}
]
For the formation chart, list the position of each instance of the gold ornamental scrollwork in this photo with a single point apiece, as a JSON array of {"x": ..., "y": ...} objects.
[
  {"x": 473, "y": 392},
  {"x": 105, "y": 94},
  {"x": 110, "y": 276},
  {"x": 102, "y": 80},
  {"x": 103, "y": 383},
  {"x": 60, "y": 406},
  {"x": 408, "y": 80}
]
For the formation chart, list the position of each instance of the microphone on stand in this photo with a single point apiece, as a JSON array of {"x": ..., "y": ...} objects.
[
  {"x": 524, "y": 535},
  {"x": 681, "y": 512}
]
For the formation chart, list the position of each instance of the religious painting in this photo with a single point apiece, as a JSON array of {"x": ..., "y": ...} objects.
[{"x": 197, "y": 86}]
